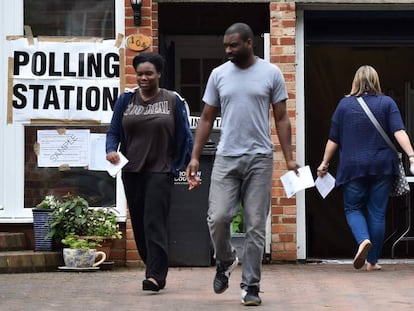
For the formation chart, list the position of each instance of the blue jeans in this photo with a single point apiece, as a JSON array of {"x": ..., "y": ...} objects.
[{"x": 365, "y": 205}]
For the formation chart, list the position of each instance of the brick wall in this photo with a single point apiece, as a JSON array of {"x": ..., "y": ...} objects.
[
  {"x": 282, "y": 36},
  {"x": 282, "y": 53}
]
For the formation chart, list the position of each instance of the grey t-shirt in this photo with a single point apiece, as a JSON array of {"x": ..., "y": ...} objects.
[{"x": 245, "y": 96}]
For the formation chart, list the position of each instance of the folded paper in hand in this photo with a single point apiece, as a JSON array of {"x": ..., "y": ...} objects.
[
  {"x": 293, "y": 183},
  {"x": 114, "y": 169},
  {"x": 325, "y": 184}
]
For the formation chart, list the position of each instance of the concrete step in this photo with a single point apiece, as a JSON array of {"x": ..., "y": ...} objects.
[
  {"x": 10, "y": 241},
  {"x": 25, "y": 261}
]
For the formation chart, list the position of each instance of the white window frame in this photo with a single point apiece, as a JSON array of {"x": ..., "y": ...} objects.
[{"x": 12, "y": 135}]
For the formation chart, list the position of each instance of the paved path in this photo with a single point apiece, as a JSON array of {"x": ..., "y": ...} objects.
[{"x": 287, "y": 287}]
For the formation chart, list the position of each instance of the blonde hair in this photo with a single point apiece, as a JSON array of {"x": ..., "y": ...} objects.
[{"x": 366, "y": 80}]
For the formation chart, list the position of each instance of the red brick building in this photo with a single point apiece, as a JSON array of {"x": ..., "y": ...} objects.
[{"x": 317, "y": 44}]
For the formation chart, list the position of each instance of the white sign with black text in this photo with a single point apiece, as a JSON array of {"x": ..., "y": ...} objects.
[{"x": 69, "y": 80}]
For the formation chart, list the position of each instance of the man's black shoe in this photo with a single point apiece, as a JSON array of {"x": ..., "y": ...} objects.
[
  {"x": 221, "y": 280},
  {"x": 250, "y": 296}
]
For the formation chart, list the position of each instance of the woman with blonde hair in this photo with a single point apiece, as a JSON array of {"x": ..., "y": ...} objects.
[{"x": 367, "y": 165}]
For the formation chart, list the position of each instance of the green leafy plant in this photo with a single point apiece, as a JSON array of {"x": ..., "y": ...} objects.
[
  {"x": 237, "y": 225},
  {"x": 75, "y": 217},
  {"x": 77, "y": 242},
  {"x": 70, "y": 218},
  {"x": 102, "y": 222}
]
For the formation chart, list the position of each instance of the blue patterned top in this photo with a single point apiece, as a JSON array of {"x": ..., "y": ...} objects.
[{"x": 362, "y": 150}]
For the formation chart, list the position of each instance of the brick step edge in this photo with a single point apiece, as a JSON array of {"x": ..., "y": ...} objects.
[
  {"x": 12, "y": 241},
  {"x": 29, "y": 261}
]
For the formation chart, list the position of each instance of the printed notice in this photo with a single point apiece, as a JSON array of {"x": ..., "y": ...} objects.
[
  {"x": 325, "y": 184},
  {"x": 63, "y": 147},
  {"x": 97, "y": 159},
  {"x": 293, "y": 183}
]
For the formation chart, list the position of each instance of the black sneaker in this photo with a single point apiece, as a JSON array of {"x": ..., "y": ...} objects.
[
  {"x": 250, "y": 296},
  {"x": 221, "y": 280}
]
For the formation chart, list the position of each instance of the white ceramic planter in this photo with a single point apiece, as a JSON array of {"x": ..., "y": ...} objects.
[{"x": 82, "y": 258}]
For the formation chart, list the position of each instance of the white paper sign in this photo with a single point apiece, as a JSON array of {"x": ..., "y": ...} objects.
[
  {"x": 73, "y": 79},
  {"x": 63, "y": 147},
  {"x": 293, "y": 183},
  {"x": 97, "y": 158}
]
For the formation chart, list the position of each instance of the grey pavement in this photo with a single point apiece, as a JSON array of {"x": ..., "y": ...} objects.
[{"x": 287, "y": 287}]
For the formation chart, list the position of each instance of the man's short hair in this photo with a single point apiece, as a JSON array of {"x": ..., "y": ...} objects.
[{"x": 244, "y": 31}]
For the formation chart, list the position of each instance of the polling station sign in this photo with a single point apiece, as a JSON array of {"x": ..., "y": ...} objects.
[{"x": 68, "y": 79}]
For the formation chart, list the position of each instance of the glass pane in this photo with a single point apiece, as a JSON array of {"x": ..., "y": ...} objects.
[
  {"x": 97, "y": 187},
  {"x": 93, "y": 18},
  {"x": 208, "y": 65},
  {"x": 190, "y": 71},
  {"x": 193, "y": 97}
]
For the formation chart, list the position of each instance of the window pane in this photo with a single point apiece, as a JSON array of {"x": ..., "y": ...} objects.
[
  {"x": 208, "y": 65},
  {"x": 97, "y": 187},
  {"x": 190, "y": 71},
  {"x": 93, "y": 18},
  {"x": 193, "y": 97}
]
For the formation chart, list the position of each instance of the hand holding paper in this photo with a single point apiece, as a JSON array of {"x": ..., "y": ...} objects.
[
  {"x": 293, "y": 183},
  {"x": 113, "y": 169},
  {"x": 325, "y": 184}
]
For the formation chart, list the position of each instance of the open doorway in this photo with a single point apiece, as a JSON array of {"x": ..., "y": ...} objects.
[
  {"x": 336, "y": 45},
  {"x": 191, "y": 40}
]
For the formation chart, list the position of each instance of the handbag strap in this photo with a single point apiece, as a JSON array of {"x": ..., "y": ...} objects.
[{"x": 376, "y": 124}]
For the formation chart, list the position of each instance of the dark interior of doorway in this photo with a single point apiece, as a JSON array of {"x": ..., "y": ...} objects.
[
  {"x": 211, "y": 18},
  {"x": 330, "y": 64},
  {"x": 199, "y": 20},
  {"x": 202, "y": 20}
]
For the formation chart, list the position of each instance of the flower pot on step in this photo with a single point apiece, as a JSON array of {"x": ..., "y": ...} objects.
[{"x": 41, "y": 228}]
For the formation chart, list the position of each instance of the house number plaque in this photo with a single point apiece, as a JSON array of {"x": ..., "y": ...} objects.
[{"x": 138, "y": 42}]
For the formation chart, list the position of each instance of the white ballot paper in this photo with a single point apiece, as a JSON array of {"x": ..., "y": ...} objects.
[
  {"x": 293, "y": 183},
  {"x": 113, "y": 169},
  {"x": 325, "y": 184}
]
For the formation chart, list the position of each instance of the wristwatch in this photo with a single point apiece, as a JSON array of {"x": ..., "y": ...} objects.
[{"x": 411, "y": 155}]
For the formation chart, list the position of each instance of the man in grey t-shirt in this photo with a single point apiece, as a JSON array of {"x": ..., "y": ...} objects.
[{"x": 244, "y": 88}]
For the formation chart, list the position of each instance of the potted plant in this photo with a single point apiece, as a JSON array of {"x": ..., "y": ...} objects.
[
  {"x": 81, "y": 252},
  {"x": 74, "y": 241},
  {"x": 103, "y": 224},
  {"x": 70, "y": 218},
  {"x": 75, "y": 217},
  {"x": 41, "y": 220}
]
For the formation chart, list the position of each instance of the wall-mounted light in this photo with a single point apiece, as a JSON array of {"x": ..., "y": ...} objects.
[{"x": 136, "y": 7}]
